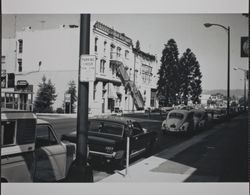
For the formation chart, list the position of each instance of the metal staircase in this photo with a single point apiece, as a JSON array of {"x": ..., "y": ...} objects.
[{"x": 136, "y": 94}]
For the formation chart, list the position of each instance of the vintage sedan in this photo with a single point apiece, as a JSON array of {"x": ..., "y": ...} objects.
[
  {"x": 179, "y": 121},
  {"x": 107, "y": 139}
]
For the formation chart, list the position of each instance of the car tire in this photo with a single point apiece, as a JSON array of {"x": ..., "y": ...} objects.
[
  {"x": 121, "y": 163},
  {"x": 190, "y": 130},
  {"x": 149, "y": 149}
]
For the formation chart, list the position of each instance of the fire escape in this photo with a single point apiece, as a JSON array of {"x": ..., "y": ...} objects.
[{"x": 128, "y": 83}]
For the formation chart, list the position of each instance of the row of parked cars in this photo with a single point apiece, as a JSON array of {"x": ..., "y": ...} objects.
[
  {"x": 185, "y": 121},
  {"x": 32, "y": 152}
]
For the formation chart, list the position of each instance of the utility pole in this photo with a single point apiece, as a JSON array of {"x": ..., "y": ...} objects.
[
  {"x": 133, "y": 108},
  {"x": 80, "y": 171},
  {"x": 1, "y": 83}
]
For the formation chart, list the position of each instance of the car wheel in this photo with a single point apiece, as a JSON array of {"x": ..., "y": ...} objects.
[
  {"x": 149, "y": 150},
  {"x": 121, "y": 163},
  {"x": 190, "y": 130}
]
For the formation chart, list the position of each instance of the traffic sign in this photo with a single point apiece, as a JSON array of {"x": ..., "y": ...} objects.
[
  {"x": 67, "y": 97},
  {"x": 87, "y": 68}
]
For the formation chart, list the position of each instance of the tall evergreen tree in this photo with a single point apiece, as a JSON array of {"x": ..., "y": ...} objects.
[
  {"x": 168, "y": 83},
  {"x": 73, "y": 97},
  {"x": 46, "y": 95},
  {"x": 190, "y": 78},
  {"x": 195, "y": 83},
  {"x": 185, "y": 75}
]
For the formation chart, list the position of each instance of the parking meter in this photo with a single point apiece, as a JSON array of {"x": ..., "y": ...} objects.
[{"x": 129, "y": 132}]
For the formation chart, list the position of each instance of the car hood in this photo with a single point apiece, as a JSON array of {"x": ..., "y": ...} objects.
[{"x": 93, "y": 139}]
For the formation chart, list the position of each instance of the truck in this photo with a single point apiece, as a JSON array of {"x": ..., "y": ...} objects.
[{"x": 31, "y": 150}]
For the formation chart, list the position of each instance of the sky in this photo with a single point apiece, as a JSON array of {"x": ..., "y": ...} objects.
[{"x": 154, "y": 30}]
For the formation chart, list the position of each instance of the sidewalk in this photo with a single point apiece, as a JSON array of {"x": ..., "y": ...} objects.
[{"x": 199, "y": 159}]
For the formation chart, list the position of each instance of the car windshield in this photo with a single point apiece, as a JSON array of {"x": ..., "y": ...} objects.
[
  {"x": 106, "y": 127},
  {"x": 175, "y": 115}
]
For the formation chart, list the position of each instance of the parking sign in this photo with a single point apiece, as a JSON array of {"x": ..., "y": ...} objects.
[{"x": 87, "y": 68}]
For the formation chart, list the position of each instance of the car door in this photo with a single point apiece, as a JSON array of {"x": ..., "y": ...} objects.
[
  {"x": 50, "y": 155},
  {"x": 139, "y": 140}
]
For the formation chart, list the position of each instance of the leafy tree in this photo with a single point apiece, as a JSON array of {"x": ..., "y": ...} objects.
[
  {"x": 46, "y": 95},
  {"x": 168, "y": 84},
  {"x": 73, "y": 97}
]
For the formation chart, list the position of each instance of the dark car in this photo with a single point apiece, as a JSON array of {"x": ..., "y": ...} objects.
[{"x": 107, "y": 139}]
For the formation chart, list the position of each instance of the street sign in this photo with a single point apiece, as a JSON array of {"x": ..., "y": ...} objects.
[
  {"x": 67, "y": 97},
  {"x": 244, "y": 47},
  {"x": 87, "y": 68}
]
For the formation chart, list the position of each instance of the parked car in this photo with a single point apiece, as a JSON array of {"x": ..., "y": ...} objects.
[
  {"x": 219, "y": 114},
  {"x": 200, "y": 119},
  {"x": 31, "y": 151},
  {"x": 179, "y": 121},
  {"x": 117, "y": 111},
  {"x": 107, "y": 139}
]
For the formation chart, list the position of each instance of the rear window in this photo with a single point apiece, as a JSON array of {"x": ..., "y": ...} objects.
[
  {"x": 176, "y": 116},
  {"x": 104, "y": 127}
]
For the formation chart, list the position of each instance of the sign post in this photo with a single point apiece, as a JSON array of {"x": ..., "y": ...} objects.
[{"x": 80, "y": 171}]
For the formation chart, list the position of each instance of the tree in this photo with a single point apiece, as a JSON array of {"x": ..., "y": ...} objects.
[
  {"x": 168, "y": 84},
  {"x": 190, "y": 77},
  {"x": 185, "y": 65},
  {"x": 46, "y": 96},
  {"x": 73, "y": 97},
  {"x": 137, "y": 45}
]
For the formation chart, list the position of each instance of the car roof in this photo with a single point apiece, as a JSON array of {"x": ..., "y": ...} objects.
[
  {"x": 15, "y": 115},
  {"x": 40, "y": 122},
  {"x": 118, "y": 119}
]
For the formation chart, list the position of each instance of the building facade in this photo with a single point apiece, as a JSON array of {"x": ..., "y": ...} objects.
[{"x": 125, "y": 78}]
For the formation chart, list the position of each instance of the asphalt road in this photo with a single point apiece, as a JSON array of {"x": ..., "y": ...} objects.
[{"x": 64, "y": 125}]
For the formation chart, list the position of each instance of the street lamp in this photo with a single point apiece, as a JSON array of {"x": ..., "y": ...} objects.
[
  {"x": 207, "y": 25},
  {"x": 245, "y": 80}
]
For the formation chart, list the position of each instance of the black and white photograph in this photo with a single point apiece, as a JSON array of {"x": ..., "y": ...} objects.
[{"x": 124, "y": 98}]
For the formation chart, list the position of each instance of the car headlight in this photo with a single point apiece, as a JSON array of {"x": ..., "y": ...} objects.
[{"x": 109, "y": 149}]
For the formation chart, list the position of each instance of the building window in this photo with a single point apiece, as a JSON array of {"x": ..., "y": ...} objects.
[
  {"x": 20, "y": 65},
  {"x": 96, "y": 39},
  {"x": 112, "y": 47},
  {"x": 105, "y": 47},
  {"x": 94, "y": 91},
  {"x": 20, "y": 46},
  {"x": 3, "y": 60},
  {"x": 126, "y": 54},
  {"x": 102, "y": 66},
  {"x": 118, "y": 51}
]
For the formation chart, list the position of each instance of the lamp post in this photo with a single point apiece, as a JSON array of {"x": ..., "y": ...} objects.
[
  {"x": 245, "y": 80},
  {"x": 207, "y": 25}
]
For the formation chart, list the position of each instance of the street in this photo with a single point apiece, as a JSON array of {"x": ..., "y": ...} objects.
[{"x": 220, "y": 154}]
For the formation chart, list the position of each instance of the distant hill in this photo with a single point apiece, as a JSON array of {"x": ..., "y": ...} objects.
[{"x": 233, "y": 92}]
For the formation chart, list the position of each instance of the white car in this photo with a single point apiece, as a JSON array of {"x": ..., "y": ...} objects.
[{"x": 179, "y": 121}]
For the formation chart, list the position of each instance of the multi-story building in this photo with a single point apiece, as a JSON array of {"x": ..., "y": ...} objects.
[{"x": 125, "y": 78}]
